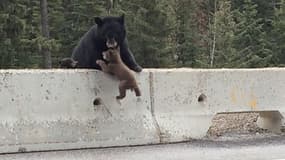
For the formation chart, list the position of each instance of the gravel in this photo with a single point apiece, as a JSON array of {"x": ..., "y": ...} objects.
[{"x": 235, "y": 124}]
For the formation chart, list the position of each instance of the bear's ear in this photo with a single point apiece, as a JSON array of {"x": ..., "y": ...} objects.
[
  {"x": 122, "y": 19},
  {"x": 98, "y": 21}
]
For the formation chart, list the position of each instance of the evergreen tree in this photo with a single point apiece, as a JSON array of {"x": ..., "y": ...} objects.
[
  {"x": 147, "y": 32},
  {"x": 12, "y": 31},
  {"x": 161, "y": 33},
  {"x": 186, "y": 34},
  {"x": 250, "y": 39},
  {"x": 278, "y": 34}
]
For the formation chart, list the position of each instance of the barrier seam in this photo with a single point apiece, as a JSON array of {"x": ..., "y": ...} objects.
[{"x": 151, "y": 89}]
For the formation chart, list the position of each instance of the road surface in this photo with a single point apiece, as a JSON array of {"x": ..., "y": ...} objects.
[{"x": 272, "y": 148}]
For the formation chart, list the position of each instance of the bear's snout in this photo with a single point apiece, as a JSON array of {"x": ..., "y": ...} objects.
[{"x": 111, "y": 43}]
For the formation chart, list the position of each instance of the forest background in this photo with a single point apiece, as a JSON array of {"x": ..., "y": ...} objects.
[{"x": 161, "y": 33}]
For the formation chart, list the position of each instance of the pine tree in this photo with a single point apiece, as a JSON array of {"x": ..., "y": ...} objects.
[
  {"x": 147, "y": 32},
  {"x": 12, "y": 28},
  {"x": 185, "y": 32},
  {"x": 250, "y": 38},
  {"x": 278, "y": 34}
]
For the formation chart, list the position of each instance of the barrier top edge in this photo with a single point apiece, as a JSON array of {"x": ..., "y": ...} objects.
[{"x": 145, "y": 70}]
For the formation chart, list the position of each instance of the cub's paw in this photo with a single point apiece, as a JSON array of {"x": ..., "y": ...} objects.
[{"x": 100, "y": 62}]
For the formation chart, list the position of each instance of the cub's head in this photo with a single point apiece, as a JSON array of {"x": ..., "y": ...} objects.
[
  {"x": 112, "y": 55},
  {"x": 111, "y": 30}
]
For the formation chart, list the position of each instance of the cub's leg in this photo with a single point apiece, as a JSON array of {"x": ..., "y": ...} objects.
[
  {"x": 122, "y": 89},
  {"x": 137, "y": 91}
]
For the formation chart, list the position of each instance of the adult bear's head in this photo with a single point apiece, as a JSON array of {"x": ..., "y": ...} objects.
[{"x": 111, "y": 30}]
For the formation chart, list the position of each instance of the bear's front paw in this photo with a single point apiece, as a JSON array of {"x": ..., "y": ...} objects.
[{"x": 136, "y": 68}]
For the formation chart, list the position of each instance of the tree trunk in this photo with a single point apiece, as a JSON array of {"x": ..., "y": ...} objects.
[
  {"x": 212, "y": 54},
  {"x": 45, "y": 31},
  {"x": 110, "y": 6}
]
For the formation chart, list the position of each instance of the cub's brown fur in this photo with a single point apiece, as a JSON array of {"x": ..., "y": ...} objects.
[{"x": 116, "y": 67}]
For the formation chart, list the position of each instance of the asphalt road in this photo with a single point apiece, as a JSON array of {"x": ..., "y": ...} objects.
[{"x": 272, "y": 148}]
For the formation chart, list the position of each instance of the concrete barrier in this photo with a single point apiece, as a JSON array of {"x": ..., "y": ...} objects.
[
  {"x": 185, "y": 100},
  {"x": 54, "y": 109}
]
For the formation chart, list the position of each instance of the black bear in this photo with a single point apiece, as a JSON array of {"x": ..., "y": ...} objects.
[{"x": 108, "y": 32}]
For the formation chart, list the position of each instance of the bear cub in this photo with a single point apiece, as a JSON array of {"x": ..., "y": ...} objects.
[{"x": 116, "y": 67}]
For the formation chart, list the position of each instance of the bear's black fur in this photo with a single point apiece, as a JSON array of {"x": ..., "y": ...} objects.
[
  {"x": 67, "y": 63},
  {"x": 108, "y": 31}
]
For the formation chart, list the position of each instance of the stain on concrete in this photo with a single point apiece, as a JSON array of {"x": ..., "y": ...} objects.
[
  {"x": 96, "y": 91},
  {"x": 233, "y": 96},
  {"x": 252, "y": 102},
  {"x": 22, "y": 149}
]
